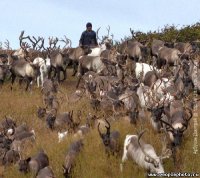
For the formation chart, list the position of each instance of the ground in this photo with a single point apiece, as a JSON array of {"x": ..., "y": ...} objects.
[{"x": 92, "y": 162}]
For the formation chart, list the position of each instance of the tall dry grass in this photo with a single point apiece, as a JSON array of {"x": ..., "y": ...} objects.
[{"x": 92, "y": 161}]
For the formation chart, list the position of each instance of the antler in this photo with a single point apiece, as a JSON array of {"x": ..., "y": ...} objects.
[
  {"x": 107, "y": 127},
  {"x": 166, "y": 153},
  {"x": 169, "y": 128},
  {"x": 148, "y": 158},
  {"x": 98, "y": 33},
  {"x": 35, "y": 42},
  {"x": 132, "y": 33},
  {"x": 53, "y": 42},
  {"x": 7, "y": 44},
  {"x": 99, "y": 130},
  {"x": 24, "y": 45},
  {"x": 108, "y": 29},
  {"x": 66, "y": 41}
]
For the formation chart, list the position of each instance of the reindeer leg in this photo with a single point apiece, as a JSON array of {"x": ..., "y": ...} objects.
[
  {"x": 49, "y": 72},
  {"x": 78, "y": 82},
  {"x": 20, "y": 82},
  {"x": 158, "y": 62},
  {"x": 55, "y": 73},
  {"x": 13, "y": 80},
  {"x": 75, "y": 66},
  {"x": 174, "y": 154},
  {"x": 1, "y": 83},
  {"x": 58, "y": 74},
  {"x": 38, "y": 81},
  {"x": 42, "y": 78},
  {"x": 64, "y": 73},
  {"x": 29, "y": 80}
]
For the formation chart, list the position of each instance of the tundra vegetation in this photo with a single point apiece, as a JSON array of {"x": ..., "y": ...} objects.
[{"x": 95, "y": 127}]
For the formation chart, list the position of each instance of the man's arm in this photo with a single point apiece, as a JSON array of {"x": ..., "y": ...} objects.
[
  {"x": 95, "y": 39},
  {"x": 81, "y": 39}
]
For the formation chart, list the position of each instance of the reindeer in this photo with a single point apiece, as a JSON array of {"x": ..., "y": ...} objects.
[
  {"x": 168, "y": 56},
  {"x": 105, "y": 43},
  {"x": 143, "y": 154},
  {"x": 62, "y": 121},
  {"x": 178, "y": 120},
  {"x": 194, "y": 72},
  {"x": 3, "y": 72},
  {"x": 10, "y": 157},
  {"x": 34, "y": 164},
  {"x": 59, "y": 58},
  {"x": 150, "y": 78},
  {"x": 22, "y": 137},
  {"x": 165, "y": 56},
  {"x": 133, "y": 49},
  {"x": 44, "y": 67},
  {"x": 139, "y": 70},
  {"x": 110, "y": 139},
  {"x": 89, "y": 63},
  {"x": 45, "y": 173},
  {"x": 185, "y": 48},
  {"x": 25, "y": 51},
  {"x": 73, "y": 151},
  {"x": 23, "y": 70},
  {"x": 73, "y": 55},
  {"x": 131, "y": 104}
]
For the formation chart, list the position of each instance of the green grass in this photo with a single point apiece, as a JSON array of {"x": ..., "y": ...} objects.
[{"x": 92, "y": 161}]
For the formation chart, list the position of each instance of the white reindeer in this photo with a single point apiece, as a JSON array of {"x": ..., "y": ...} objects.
[
  {"x": 143, "y": 154},
  {"x": 62, "y": 135},
  {"x": 97, "y": 50},
  {"x": 143, "y": 68},
  {"x": 44, "y": 65}
]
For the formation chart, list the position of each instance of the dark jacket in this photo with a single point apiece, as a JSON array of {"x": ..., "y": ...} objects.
[{"x": 88, "y": 38}]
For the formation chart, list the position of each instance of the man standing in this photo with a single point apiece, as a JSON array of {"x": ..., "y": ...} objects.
[{"x": 88, "y": 37}]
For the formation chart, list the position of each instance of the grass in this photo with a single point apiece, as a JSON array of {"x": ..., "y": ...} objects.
[{"x": 92, "y": 161}]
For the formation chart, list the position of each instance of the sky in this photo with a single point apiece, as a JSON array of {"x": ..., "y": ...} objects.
[{"x": 68, "y": 17}]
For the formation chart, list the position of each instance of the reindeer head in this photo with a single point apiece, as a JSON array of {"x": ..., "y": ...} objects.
[
  {"x": 50, "y": 120},
  {"x": 8, "y": 125},
  {"x": 24, "y": 165},
  {"x": 66, "y": 172},
  {"x": 6, "y": 142},
  {"x": 155, "y": 164},
  {"x": 41, "y": 112},
  {"x": 105, "y": 136},
  {"x": 156, "y": 112},
  {"x": 177, "y": 133},
  {"x": 74, "y": 125},
  {"x": 133, "y": 115}
]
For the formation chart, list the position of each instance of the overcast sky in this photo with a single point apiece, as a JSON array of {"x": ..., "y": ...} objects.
[{"x": 68, "y": 17}]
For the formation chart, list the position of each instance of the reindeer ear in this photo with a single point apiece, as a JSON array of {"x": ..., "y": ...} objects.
[
  {"x": 28, "y": 159},
  {"x": 64, "y": 168}
]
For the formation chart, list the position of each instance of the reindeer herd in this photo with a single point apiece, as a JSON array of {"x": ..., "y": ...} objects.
[{"x": 124, "y": 80}]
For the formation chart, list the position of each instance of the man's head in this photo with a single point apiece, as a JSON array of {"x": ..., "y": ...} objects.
[{"x": 89, "y": 26}]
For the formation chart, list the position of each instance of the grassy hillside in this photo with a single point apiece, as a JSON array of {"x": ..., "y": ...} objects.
[{"x": 92, "y": 162}]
